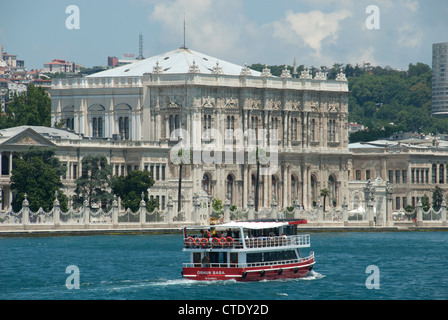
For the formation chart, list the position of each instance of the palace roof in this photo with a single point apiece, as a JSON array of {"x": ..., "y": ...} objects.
[{"x": 178, "y": 61}]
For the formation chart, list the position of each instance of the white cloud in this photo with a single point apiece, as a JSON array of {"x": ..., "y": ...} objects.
[
  {"x": 212, "y": 26},
  {"x": 313, "y": 28}
]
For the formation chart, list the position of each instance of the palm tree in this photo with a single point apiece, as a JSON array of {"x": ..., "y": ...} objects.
[{"x": 324, "y": 193}]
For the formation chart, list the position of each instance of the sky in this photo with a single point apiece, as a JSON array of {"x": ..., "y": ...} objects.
[{"x": 315, "y": 32}]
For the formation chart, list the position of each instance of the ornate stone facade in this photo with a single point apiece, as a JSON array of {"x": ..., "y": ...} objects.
[{"x": 131, "y": 113}]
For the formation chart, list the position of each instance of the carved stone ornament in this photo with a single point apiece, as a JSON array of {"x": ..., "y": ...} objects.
[
  {"x": 341, "y": 76},
  {"x": 194, "y": 68},
  {"x": 320, "y": 75},
  {"x": 245, "y": 71},
  {"x": 266, "y": 71},
  {"x": 157, "y": 69},
  {"x": 286, "y": 73},
  {"x": 306, "y": 74},
  {"x": 217, "y": 69}
]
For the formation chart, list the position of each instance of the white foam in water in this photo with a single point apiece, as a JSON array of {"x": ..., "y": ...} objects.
[{"x": 313, "y": 275}]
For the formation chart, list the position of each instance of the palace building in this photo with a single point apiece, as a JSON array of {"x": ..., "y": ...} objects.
[{"x": 130, "y": 115}]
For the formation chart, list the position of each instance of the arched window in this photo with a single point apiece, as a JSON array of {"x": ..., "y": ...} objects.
[
  {"x": 274, "y": 188},
  {"x": 313, "y": 130},
  {"x": 96, "y": 116},
  {"x": 434, "y": 173},
  {"x": 294, "y": 189},
  {"x": 253, "y": 186},
  {"x": 68, "y": 113},
  {"x": 332, "y": 189},
  {"x": 123, "y": 127},
  {"x": 314, "y": 195},
  {"x": 206, "y": 126},
  {"x": 123, "y": 116},
  {"x": 441, "y": 174},
  {"x": 230, "y": 188},
  {"x": 206, "y": 184}
]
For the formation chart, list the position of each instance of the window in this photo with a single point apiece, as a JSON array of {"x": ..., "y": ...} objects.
[
  {"x": 313, "y": 129},
  {"x": 97, "y": 127},
  {"x": 332, "y": 131},
  {"x": 367, "y": 174},
  {"x": 358, "y": 175},
  {"x": 333, "y": 190},
  {"x": 397, "y": 176},
  {"x": 96, "y": 116},
  {"x": 397, "y": 203},
  {"x": 404, "y": 175},
  {"x": 391, "y": 176},
  {"x": 434, "y": 173},
  {"x": 123, "y": 127},
  {"x": 230, "y": 188},
  {"x": 206, "y": 186}
]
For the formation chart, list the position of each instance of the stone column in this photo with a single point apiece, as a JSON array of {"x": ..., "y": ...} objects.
[
  {"x": 345, "y": 211},
  {"x": 370, "y": 213},
  {"x": 320, "y": 212},
  {"x": 419, "y": 213},
  {"x": 274, "y": 211},
  {"x": 226, "y": 210},
  {"x": 115, "y": 212},
  {"x": 86, "y": 213},
  {"x": 250, "y": 209},
  {"x": 170, "y": 211},
  {"x": 25, "y": 212},
  {"x": 196, "y": 209},
  {"x": 296, "y": 205},
  {"x": 142, "y": 210},
  {"x": 443, "y": 213},
  {"x": 56, "y": 211}
]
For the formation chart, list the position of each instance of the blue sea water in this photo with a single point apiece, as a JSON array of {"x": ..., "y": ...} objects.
[{"x": 411, "y": 266}]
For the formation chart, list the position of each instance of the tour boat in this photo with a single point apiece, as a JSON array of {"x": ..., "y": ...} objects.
[{"x": 246, "y": 251}]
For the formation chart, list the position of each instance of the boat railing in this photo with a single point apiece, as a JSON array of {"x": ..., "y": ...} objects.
[
  {"x": 250, "y": 243},
  {"x": 250, "y": 265}
]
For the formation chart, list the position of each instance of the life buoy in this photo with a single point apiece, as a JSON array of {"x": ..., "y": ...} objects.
[
  {"x": 216, "y": 241},
  {"x": 229, "y": 241},
  {"x": 204, "y": 242},
  {"x": 223, "y": 241},
  {"x": 190, "y": 241},
  {"x": 197, "y": 241}
]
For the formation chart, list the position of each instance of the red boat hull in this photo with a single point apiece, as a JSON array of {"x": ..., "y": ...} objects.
[{"x": 274, "y": 272}]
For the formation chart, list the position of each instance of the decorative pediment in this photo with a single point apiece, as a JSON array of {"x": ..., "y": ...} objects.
[
  {"x": 28, "y": 137},
  {"x": 208, "y": 102},
  {"x": 173, "y": 102}
]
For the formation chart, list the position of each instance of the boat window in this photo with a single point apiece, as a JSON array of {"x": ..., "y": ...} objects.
[
  {"x": 218, "y": 257},
  {"x": 271, "y": 256}
]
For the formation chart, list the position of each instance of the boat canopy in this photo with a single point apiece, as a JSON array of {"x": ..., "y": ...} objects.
[{"x": 254, "y": 225}]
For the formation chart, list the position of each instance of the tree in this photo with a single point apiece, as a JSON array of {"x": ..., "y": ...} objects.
[
  {"x": 130, "y": 188},
  {"x": 425, "y": 202},
  {"x": 31, "y": 108},
  {"x": 37, "y": 173},
  {"x": 324, "y": 193},
  {"x": 94, "y": 183},
  {"x": 437, "y": 198}
]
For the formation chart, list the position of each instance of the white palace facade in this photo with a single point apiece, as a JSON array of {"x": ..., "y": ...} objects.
[{"x": 130, "y": 115}]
